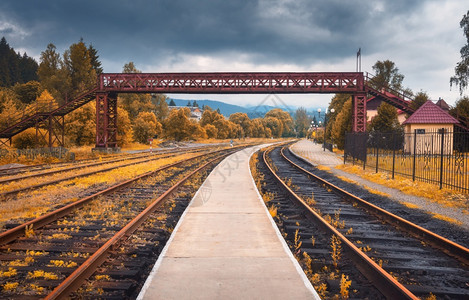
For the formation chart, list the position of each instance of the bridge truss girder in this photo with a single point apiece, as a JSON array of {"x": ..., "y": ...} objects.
[
  {"x": 220, "y": 83},
  {"x": 53, "y": 132}
]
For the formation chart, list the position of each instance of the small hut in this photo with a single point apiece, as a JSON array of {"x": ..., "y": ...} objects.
[{"x": 426, "y": 128}]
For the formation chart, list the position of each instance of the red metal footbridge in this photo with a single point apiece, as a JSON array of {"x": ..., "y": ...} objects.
[{"x": 111, "y": 84}]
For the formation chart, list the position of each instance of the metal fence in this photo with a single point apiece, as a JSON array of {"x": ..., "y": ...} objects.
[
  {"x": 58, "y": 152},
  {"x": 440, "y": 157}
]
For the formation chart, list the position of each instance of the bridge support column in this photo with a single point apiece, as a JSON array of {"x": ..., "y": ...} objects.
[
  {"x": 106, "y": 121},
  {"x": 51, "y": 131},
  {"x": 359, "y": 112}
]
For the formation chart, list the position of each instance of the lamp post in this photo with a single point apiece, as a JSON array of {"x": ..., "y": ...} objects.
[
  {"x": 317, "y": 127},
  {"x": 325, "y": 127}
]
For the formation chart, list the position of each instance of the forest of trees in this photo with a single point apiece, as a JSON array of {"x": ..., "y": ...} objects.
[
  {"x": 28, "y": 85},
  {"x": 60, "y": 77}
]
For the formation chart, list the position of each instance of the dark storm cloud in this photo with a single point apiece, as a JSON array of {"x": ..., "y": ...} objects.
[{"x": 284, "y": 31}]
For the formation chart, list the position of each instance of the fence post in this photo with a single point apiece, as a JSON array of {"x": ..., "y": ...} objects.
[
  {"x": 393, "y": 152},
  {"x": 441, "y": 156},
  {"x": 415, "y": 152},
  {"x": 377, "y": 150}
]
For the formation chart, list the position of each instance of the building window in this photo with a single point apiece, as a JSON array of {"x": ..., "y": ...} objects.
[{"x": 420, "y": 131}]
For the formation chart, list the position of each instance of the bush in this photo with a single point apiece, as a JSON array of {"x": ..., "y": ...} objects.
[{"x": 27, "y": 139}]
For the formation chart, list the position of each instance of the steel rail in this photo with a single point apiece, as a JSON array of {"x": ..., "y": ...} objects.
[
  {"x": 77, "y": 167},
  {"x": 20, "y": 169},
  {"x": 39, "y": 185},
  {"x": 451, "y": 248},
  {"x": 13, "y": 233},
  {"x": 383, "y": 281},
  {"x": 81, "y": 166},
  {"x": 75, "y": 280}
]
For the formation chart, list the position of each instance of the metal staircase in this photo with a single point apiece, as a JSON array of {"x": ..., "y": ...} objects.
[
  {"x": 399, "y": 100},
  {"x": 35, "y": 115}
]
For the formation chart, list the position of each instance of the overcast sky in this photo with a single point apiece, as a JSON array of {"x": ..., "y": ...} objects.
[{"x": 423, "y": 38}]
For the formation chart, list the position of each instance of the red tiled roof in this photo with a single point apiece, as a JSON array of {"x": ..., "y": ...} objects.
[{"x": 430, "y": 113}]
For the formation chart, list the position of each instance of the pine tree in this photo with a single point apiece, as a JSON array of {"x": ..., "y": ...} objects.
[
  {"x": 77, "y": 61},
  {"x": 14, "y": 67},
  {"x": 171, "y": 103},
  {"x": 95, "y": 63},
  {"x": 419, "y": 100}
]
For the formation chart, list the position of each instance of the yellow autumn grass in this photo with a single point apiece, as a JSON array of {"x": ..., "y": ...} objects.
[
  {"x": 323, "y": 168},
  {"x": 446, "y": 219},
  {"x": 37, "y": 202},
  {"x": 369, "y": 189},
  {"x": 444, "y": 197},
  {"x": 410, "y": 205}
]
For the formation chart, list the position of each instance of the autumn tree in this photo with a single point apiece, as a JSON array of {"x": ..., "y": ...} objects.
[
  {"x": 178, "y": 126},
  {"x": 209, "y": 116},
  {"x": 419, "y": 100},
  {"x": 461, "y": 77},
  {"x": 124, "y": 127},
  {"x": 198, "y": 132},
  {"x": 461, "y": 108},
  {"x": 146, "y": 126},
  {"x": 211, "y": 131},
  {"x": 387, "y": 75},
  {"x": 78, "y": 63},
  {"x": 258, "y": 129},
  {"x": 275, "y": 125},
  {"x": 225, "y": 128},
  {"x": 386, "y": 119},
  {"x": 135, "y": 103},
  {"x": 53, "y": 75},
  {"x": 342, "y": 124},
  {"x": 45, "y": 102},
  {"x": 302, "y": 121},
  {"x": 67, "y": 77},
  {"x": 337, "y": 103},
  {"x": 80, "y": 125},
  {"x": 9, "y": 108},
  {"x": 285, "y": 120},
  {"x": 243, "y": 120},
  {"x": 29, "y": 91},
  {"x": 161, "y": 106}
]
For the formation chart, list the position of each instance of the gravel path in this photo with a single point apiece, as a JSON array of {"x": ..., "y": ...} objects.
[{"x": 315, "y": 154}]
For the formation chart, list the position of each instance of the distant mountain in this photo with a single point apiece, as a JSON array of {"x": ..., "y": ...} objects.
[
  {"x": 225, "y": 108},
  {"x": 252, "y": 111}
]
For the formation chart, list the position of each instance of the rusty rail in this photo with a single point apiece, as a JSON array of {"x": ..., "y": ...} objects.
[
  {"x": 449, "y": 247},
  {"x": 387, "y": 285},
  {"x": 75, "y": 280}
]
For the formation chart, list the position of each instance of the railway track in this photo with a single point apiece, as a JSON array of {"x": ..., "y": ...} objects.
[
  {"x": 50, "y": 169},
  {"x": 110, "y": 239},
  {"x": 31, "y": 169},
  {"x": 70, "y": 173},
  {"x": 341, "y": 234}
]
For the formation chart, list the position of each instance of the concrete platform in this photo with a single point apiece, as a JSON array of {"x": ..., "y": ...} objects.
[
  {"x": 226, "y": 245},
  {"x": 316, "y": 154}
]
